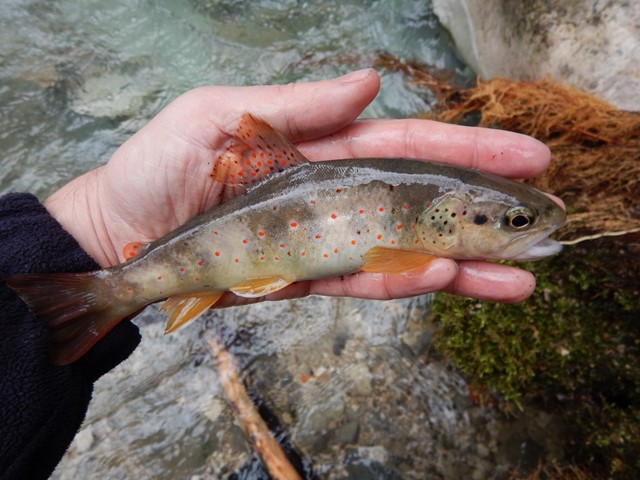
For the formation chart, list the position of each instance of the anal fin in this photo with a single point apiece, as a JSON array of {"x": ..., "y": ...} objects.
[
  {"x": 392, "y": 260},
  {"x": 182, "y": 309},
  {"x": 258, "y": 287}
]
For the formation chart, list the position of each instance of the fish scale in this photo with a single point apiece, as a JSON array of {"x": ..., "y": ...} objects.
[{"x": 330, "y": 236}]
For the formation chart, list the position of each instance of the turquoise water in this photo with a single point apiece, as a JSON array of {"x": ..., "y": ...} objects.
[{"x": 78, "y": 78}]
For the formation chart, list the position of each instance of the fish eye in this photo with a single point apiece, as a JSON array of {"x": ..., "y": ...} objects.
[{"x": 520, "y": 217}]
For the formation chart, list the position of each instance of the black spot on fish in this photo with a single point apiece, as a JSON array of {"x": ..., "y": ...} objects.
[{"x": 480, "y": 219}]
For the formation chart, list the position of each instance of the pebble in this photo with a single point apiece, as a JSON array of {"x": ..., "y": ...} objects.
[{"x": 84, "y": 440}]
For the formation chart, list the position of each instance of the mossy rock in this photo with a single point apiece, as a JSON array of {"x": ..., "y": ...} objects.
[{"x": 574, "y": 348}]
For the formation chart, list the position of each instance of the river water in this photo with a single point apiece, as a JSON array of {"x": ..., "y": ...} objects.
[
  {"x": 349, "y": 381},
  {"x": 77, "y": 79}
]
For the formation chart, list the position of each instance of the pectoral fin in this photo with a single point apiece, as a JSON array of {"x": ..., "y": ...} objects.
[
  {"x": 391, "y": 260},
  {"x": 185, "y": 308},
  {"x": 257, "y": 287}
]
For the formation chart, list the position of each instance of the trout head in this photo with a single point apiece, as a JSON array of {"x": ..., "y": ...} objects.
[{"x": 471, "y": 226}]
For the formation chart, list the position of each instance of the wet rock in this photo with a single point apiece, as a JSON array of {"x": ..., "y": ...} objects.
[
  {"x": 347, "y": 433},
  {"x": 362, "y": 377},
  {"x": 110, "y": 95},
  {"x": 483, "y": 450},
  {"x": 316, "y": 424},
  {"x": 375, "y": 410},
  {"x": 589, "y": 44},
  {"x": 83, "y": 440}
]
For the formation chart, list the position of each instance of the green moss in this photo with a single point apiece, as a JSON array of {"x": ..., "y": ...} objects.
[{"x": 574, "y": 347}]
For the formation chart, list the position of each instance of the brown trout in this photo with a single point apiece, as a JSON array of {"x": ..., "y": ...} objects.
[{"x": 297, "y": 220}]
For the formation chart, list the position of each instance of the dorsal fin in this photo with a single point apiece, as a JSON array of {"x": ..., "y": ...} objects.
[{"x": 256, "y": 151}]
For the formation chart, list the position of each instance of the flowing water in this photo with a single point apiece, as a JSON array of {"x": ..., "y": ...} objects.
[
  {"x": 77, "y": 79},
  {"x": 348, "y": 381}
]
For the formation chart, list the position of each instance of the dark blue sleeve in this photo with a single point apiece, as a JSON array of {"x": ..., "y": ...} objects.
[{"x": 41, "y": 405}]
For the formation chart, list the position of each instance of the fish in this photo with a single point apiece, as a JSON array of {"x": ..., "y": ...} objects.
[{"x": 287, "y": 219}]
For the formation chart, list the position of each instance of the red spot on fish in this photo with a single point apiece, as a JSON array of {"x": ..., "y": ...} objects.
[
  {"x": 182, "y": 269},
  {"x": 197, "y": 279},
  {"x": 281, "y": 245},
  {"x": 253, "y": 154},
  {"x": 361, "y": 211},
  {"x": 325, "y": 255},
  {"x": 379, "y": 236},
  {"x": 293, "y": 225},
  {"x": 215, "y": 233},
  {"x": 244, "y": 240},
  {"x": 237, "y": 260},
  {"x": 393, "y": 242},
  {"x": 405, "y": 206},
  {"x": 159, "y": 277},
  {"x": 276, "y": 258},
  {"x": 217, "y": 254},
  {"x": 353, "y": 242},
  {"x": 427, "y": 205},
  {"x": 335, "y": 250},
  {"x": 200, "y": 263},
  {"x": 261, "y": 234},
  {"x": 317, "y": 235},
  {"x": 130, "y": 289},
  {"x": 399, "y": 227},
  {"x": 381, "y": 209},
  {"x": 312, "y": 202},
  {"x": 303, "y": 253},
  {"x": 334, "y": 216},
  {"x": 338, "y": 190},
  {"x": 262, "y": 259}
]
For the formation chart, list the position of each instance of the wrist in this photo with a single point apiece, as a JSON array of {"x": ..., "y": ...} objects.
[{"x": 77, "y": 207}]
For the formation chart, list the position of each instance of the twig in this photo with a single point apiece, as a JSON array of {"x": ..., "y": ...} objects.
[
  {"x": 250, "y": 421},
  {"x": 599, "y": 235}
]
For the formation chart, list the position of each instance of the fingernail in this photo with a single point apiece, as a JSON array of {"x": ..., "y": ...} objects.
[{"x": 356, "y": 76}]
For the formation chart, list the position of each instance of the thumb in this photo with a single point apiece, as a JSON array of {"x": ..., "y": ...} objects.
[{"x": 301, "y": 111}]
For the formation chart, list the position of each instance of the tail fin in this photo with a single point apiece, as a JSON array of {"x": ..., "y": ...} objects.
[{"x": 74, "y": 308}]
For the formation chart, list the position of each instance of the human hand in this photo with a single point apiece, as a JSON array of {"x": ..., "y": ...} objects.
[{"x": 160, "y": 177}]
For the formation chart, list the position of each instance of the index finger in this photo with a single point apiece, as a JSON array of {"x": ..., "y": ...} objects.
[{"x": 503, "y": 153}]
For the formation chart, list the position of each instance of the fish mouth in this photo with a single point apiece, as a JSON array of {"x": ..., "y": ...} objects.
[{"x": 543, "y": 248}]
